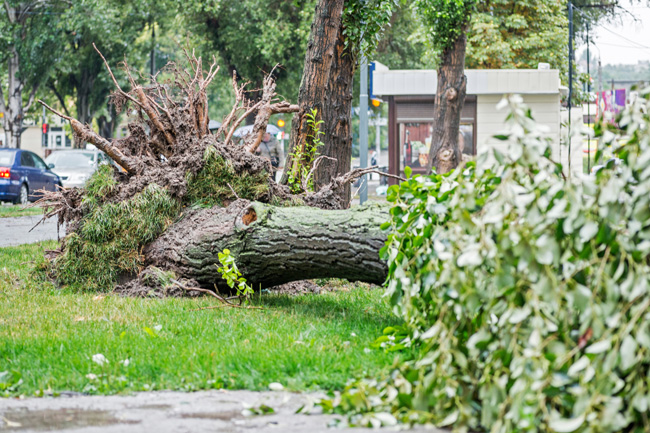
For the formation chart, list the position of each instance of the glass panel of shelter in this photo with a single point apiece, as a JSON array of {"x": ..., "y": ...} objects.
[{"x": 415, "y": 142}]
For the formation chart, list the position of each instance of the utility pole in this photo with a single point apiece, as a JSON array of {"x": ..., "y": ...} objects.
[
  {"x": 363, "y": 128},
  {"x": 600, "y": 75},
  {"x": 588, "y": 103},
  {"x": 153, "y": 49},
  {"x": 570, "y": 79},
  {"x": 378, "y": 137}
]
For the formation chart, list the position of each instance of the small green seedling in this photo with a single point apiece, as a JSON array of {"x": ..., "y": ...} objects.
[{"x": 231, "y": 274}]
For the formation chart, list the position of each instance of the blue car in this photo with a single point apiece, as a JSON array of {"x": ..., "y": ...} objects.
[{"x": 22, "y": 173}]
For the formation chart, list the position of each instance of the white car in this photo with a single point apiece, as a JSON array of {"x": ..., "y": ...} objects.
[{"x": 75, "y": 166}]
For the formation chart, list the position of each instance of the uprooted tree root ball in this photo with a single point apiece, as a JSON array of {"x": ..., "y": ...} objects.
[{"x": 183, "y": 194}]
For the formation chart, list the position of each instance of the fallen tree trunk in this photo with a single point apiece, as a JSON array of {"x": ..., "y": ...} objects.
[{"x": 275, "y": 245}]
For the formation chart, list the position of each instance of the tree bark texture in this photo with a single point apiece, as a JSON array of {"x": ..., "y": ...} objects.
[
  {"x": 337, "y": 120},
  {"x": 316, "y": 74},
  {"x": 444, "y": 153},
  {"x": 275, "y": 245}
]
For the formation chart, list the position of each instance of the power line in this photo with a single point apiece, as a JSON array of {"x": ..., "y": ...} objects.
[
  {"x": 627, "y": 39},
  {"x": 622, "y": 46}
]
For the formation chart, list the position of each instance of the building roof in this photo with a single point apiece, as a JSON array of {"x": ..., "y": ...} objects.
[{"x": 388, "y": 82}]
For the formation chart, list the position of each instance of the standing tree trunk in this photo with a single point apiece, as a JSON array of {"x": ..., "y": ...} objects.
[
  {"x": 316, "y": 75},
  {"x": 444, "y": 153},
  {"x": 84, "y": 115},
  {"x": 337, "y": 119},
  {"x": 107, "y": 127}
]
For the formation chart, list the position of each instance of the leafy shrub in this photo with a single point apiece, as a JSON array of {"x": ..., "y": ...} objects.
[{"x": 526, "y": 293}]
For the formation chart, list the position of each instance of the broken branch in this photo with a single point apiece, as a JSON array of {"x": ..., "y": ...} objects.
[{"x": 87, "y": 134}]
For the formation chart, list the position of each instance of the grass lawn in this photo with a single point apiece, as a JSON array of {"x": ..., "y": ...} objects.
[
  {"x": 48, "y": 338},
  {"x": 16, "y": 210}
]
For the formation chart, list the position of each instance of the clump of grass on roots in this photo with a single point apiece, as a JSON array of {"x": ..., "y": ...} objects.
[
  {"x": 100, "y": 185},
  {"x": 110, "y": 236},
  {"x": 212, "y": 185}
]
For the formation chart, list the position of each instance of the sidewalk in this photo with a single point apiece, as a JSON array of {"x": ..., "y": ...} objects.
[{"x": 166, "y": 411}]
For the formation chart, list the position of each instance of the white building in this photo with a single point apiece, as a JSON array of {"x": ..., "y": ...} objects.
[{"x": 410, "y": 95}]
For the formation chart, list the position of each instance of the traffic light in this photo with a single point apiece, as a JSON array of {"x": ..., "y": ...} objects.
[
  {"x": 376, "y": 103},
  {"x": 281, "y": 123},
  {"x": 46, "y": 129}
]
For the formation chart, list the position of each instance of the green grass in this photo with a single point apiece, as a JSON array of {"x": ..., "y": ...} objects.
[
  {"x": 48, "y": 337},
  {"x": 17, "y": 210}
]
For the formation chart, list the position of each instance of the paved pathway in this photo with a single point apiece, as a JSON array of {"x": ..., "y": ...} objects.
[
  {"x": 16, "y": 230},
  {"x": 166, "y": 411}
]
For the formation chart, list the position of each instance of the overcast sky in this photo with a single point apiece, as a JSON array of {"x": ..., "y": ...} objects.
[{"x": 626, "y": 41}]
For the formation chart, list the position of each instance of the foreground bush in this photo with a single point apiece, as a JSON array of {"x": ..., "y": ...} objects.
[{"x": 527, "y": 293}]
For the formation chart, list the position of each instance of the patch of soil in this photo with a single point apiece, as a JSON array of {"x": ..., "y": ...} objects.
[{"x": 295, "y": 288}]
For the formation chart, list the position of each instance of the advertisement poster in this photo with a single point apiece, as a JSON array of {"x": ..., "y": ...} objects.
[{"x": 611, "y": 101}]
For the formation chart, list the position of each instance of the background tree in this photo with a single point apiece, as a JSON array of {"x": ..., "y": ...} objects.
[
  {"x": 28, "y": 49},
  {"x": 252, "y": 36},
  {"x": 446, "y": 23},
  {"x": 517, "y": 34},
  {"x": 328, "y": 82},
  {"x": 116, "y": 27},
  {"x": 400, "y": 46}
]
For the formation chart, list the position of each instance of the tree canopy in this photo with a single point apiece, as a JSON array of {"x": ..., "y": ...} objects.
[
  {"x": 116, "y": 27},
  {"x": 252, "y": 36},
  {"x": 443, "y": 21},
  {"x": 28, "y": 50},
  {"x": 518, "y": 34}
]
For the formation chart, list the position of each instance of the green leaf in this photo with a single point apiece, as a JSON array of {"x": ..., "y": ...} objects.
[
  {"x": 628, "y": 353},
  {"x": 567, "y": 425},
  {"x": 588, "y": 231},
  {"x": 599, "y": 347}
]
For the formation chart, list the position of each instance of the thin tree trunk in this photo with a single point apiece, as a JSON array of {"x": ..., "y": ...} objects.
[
  {"x": 58, "y": 95},
  {"x": 316, "y": 75},
  {"x": 337, "y": 119},
  {"x": 83, "y": 103},
  {"x": 107, "y": 127},
  {"x": 275, "y": 245},
  {"x": 13, "y": 118},
  {"x": 14, "y": 109},
  {"x": 444, "y": 153}
]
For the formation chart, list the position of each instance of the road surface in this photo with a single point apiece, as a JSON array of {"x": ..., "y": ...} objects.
[{"x": 16, "y": 230}]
